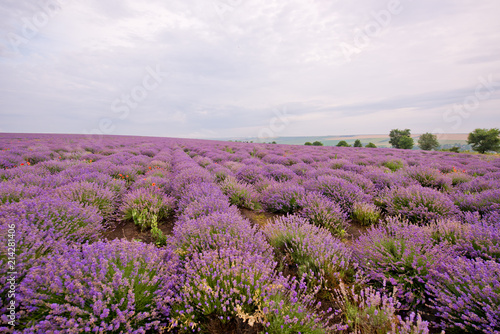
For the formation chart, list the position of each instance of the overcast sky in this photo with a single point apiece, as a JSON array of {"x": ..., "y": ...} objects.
[{"x": 248, "y": 68}]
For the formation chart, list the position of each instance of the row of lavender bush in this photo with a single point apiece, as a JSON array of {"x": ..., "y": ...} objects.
[{"x": 434, "y": 238}]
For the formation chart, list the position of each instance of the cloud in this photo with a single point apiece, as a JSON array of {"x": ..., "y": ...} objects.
[{"x": 229, "y": 65}]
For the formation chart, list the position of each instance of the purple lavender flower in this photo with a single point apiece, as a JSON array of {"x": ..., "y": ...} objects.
[
  {"x": 466, "y": 295},
  {"x": 90, "y": 194},
  {"x": 419, "y": 204},
  {"x": 117, "y": 286},
  {"x": 401, "y": 255},
  {"x": 473, "y": 239},
  {"x": 483, "y": 202},
  {"x": 339, "y": 190},
  {"x": 429, "y": 177},
  {"x": 39, "y": 226},
  {"x": 323, "y": 212},
  {"x": 147, "y": 206},
  {"x": 311, "y": 248},
  {"x": 282, "y": 197},
  {"x": 250, "y": 174},
  {"x": 11, "y": 191},
  {"x": 219, "y": 229},
  {"x": 279, "y": 173},
  {"x": 240, "y": 194}
]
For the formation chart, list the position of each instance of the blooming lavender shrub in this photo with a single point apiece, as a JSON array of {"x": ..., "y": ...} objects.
[
  {"x": 90, "y": 194},
  {"x": 204, "y": 207},
  {"x": 149, "y": 182},
  {"x": 466, "y": 295},
  {"x": 475, "y": 239},
  {"x": 365, "y": 213},
  {"x": 279, "y": 173},
  {"x": 147, "y": 206},
  {"x": 198, "y": 192},
  {"x": 282, "y": 197},
  {"x": 419, "y": 204},
  {"x": 250, "y": 174},
  {"x": 227, "y": 286},
  {"x": 216, "y": 230},
  {"x": 288, "y": 306},
  {"x": 339, "y": 190},
  {"x": 373, "y": 311},
  {"x": 479, "y": 184},
  {"x": 117, "y": 286},
  {"x": 240, "y": 194},
  {"x": 483, "y": 202},
  {"x": 192, "y": 175},
  {"x": 11, "y": 191},
  {"x": 218, "y": 284},
  {"x": 429, "y": 177},
  {"x": 403, "y": 255},
  {"x": 311, "y": 248},
  {"x": 323, "y": 212},
  {"x": 39, "y": 226}
]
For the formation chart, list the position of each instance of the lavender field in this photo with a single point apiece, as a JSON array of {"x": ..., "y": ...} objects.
[{"x": 120, "y": 234}]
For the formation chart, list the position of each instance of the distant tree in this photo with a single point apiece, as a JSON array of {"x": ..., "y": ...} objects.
[
  {"x": 308, "y": 143},
  {"x": 484, "y": 140},
  {"x": 371, "y": 145},
  {"x": 343, "y": 143},
  {"x": 406, "y": 143},
  {"x": 428, "y": 142},
  {"x": 455, "y": 149},
  {"x": 317, "y": 143},
  {"x": 357, "y": 143},
  {"x": 401, "y": 139},
  {"x": 274, "y": 142}
]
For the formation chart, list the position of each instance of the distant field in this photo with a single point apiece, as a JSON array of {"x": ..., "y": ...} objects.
[{"x": 380, "y": 140}]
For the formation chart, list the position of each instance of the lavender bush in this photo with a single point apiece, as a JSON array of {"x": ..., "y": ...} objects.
[
  {"x": 419, "y": 204},
  {"x": 429, "y": 177},
  {"x": 120, "y": 286},
  {"x": 311, "y": 248},
  {"x": 403, "y": 255},
  {"x": 37, "y": 227},
  {"x": 339, "y": 190},
  {"x": 372, "y": 311},
  {"x": 90, "y": 194},
  {"x": 365, "y": 213},
  {"x": 219, "y": 229},
  {"x": 147, "y": 206},
  {"x": 466, "y": 295},
  {"x": 477, "y": 239},
  {"x": 483, "y": 202},
  {"x": 282, "y": 197},
  {"x": 240, "y": 194},
  {"x": 323, "y": 212}
]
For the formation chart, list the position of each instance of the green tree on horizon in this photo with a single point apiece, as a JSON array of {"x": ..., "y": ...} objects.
[
  {"x": 428, "y": 142},
  {"x": 484, "y": 140},
  {"x": 401, "y": 139},
  {"x": 343, "y": 143}
]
